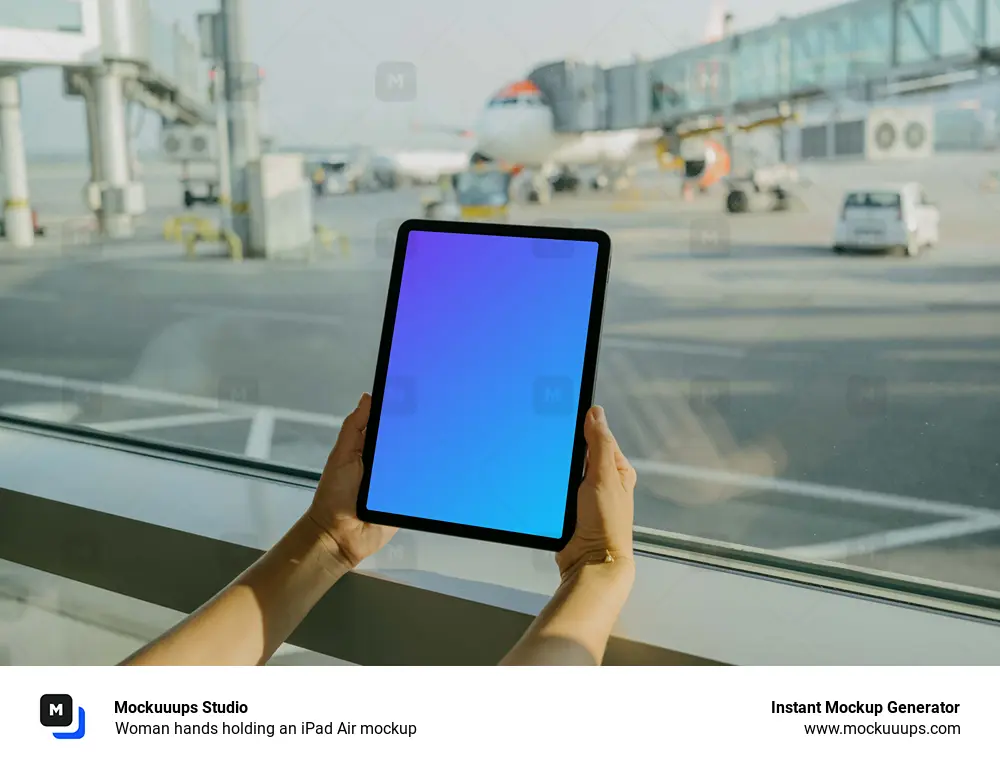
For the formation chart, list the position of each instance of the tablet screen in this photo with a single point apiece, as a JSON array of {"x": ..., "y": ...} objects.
[{"x": 483, "y": 386}]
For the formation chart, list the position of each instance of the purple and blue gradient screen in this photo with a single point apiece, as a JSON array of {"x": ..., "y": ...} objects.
[{"x": 484, "y": 380}]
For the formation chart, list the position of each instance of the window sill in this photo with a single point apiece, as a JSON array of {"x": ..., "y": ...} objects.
[{"x": 173, "y": 533}]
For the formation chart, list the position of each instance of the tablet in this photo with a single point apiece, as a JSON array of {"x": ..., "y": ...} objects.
[{"x": 485, "y": 374}]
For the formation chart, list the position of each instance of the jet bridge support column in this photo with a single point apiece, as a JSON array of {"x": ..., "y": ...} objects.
[
  {"x": 17, "y": 218},
  {"x": 242, "y": 80},
  {"x": 114, "y": 154}
]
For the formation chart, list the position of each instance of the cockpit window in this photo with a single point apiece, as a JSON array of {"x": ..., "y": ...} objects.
[{"x": 506, "y": 98}]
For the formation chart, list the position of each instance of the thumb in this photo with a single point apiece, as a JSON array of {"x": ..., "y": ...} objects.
[
  {"x": 601, "y": 447},
  {"x": 351, "y": 439}
]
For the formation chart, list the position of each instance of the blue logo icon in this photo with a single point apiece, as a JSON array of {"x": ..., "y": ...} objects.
[{"x": 56, "y": 712}]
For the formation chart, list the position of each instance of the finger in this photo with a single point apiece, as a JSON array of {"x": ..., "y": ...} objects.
[
  {"x": 351, "y": 438},
  {"x": 626, "y": 471},
  {"x": 601, "y": 446}
]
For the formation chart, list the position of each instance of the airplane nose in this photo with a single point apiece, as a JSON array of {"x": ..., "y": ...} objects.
[
  {"x": 501, "y": 133},
  {"x": 489, "y": 133}
]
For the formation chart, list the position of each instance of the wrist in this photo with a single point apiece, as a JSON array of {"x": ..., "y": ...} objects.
[
  {"x": 620, "y": 562},
  {"x": 326, "y": 552},
  {"x": 614, "y": 578}
]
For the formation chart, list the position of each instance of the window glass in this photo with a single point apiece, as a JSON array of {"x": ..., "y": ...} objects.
[
  {"x": 41, "y": 15},
  {"x": 773, "y": 392},
  {"x": 873, "y": 199}
]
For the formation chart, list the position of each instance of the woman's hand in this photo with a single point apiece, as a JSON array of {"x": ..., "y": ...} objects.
[
  {"x": 574, "y": 627},
  {"x": 334, "y": 507},
  {"x": 605, "y": 502}
]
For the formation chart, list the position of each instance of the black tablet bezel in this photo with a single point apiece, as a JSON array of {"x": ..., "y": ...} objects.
[{"x": 588, "y": 381}]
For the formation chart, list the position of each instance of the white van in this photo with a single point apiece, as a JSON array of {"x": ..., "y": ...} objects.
[{"x": 897, "y": 217}]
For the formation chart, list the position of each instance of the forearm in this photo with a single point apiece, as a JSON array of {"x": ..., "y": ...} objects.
[
  {"x": 576, "y": 624},
  {"x": 247, "y": 622}
]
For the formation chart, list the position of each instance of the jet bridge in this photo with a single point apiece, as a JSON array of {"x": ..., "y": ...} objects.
[
  {"x": 112, "y": 52},
  {"x": 866, "y": 50}
]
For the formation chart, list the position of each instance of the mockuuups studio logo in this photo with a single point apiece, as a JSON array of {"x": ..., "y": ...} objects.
[
  {"x": 56, "y": 712},
  {"x": 554, "y": 396},
  {"x": 710, "y": 236},
  {"x": 396, "y": 81}
]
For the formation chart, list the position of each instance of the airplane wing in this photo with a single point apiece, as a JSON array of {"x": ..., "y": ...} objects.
[
  {"x": 649, "y": 138},
  {"x": 446, "y": 130}
]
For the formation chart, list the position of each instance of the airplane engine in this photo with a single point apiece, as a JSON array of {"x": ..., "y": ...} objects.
[{"x": 706, "y": 163}]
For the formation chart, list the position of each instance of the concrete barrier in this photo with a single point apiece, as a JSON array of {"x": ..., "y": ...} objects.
[{"x": 281, "y": 210}]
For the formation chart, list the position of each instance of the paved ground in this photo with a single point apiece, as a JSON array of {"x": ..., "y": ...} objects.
[{"x": 771, "y": 393}]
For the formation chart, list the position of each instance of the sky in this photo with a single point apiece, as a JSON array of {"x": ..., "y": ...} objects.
[{"x": 320, "y": 56}]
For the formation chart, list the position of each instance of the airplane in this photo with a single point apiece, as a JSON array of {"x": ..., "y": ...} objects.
[
  {"x": 419, "y": 166},
  {"x": 366, "y": 169},
  {"x": 517, "y": 129}
]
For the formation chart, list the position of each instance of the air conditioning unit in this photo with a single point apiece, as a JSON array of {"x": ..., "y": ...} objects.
[
  {"x": 900, "y": 133},
  {"x": 182, "y": 143}
]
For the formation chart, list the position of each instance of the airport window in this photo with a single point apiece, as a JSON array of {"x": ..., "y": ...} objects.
[
  {"x": 776, "y": 396},
  {"x": 42, "y": 15}
]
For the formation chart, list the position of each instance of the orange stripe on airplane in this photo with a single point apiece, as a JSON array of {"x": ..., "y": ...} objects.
[
  {"x": 522, "y": 88},
  {"x": 718, "y": 170}
]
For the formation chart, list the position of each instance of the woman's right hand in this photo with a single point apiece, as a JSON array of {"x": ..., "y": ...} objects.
[{"x": 605, "y": 503}]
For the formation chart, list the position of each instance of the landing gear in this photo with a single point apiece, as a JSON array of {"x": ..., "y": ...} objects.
[
  {"x": 615, "y": 178},
  {"x": 781, "y": 201},
  {"x": 737, "y": 201},
  {"x": 540, "y": 192},
  {"x": 743, "y": 200},
  {"x": 565, "y": 182}
]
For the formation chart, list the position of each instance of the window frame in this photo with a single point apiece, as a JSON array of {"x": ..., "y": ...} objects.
[{"x": 662, "y": 625}]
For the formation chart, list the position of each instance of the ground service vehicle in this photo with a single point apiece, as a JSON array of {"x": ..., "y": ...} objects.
[
  {"x": 892, "y": 217},
  {"x": 478, "y": 194}
]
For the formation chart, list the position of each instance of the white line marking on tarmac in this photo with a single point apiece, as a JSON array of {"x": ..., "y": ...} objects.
[
  {"x": 163, "y": 397},
  {"x": 651, "y": 467},
  {"x": 261, "y": 435},
  {"x": 167, "y": 421},
  {"x": 275, "y": 316},
  {"x": 33, "y": 297},
  {"x": 50, "y": 412},
  {"x": 897, "y": 538},
  {"x": 670, "y": 347},
  {"x": 818, "y": 491}
]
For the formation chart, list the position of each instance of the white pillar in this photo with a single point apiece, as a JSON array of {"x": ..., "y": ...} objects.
[
  {"x": 17, "y": 209},
  {"x": 114, "y": 153},
  {"x": 241, "y": 97},
  {"x": 222, "y": 129}
]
